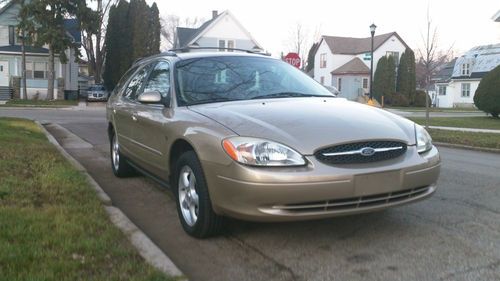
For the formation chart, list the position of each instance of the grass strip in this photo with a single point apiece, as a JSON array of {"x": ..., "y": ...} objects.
[{"x": 52, "y": 226}]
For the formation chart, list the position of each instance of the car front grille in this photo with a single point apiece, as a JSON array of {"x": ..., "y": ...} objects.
[
  {"x": 356, "y": 202},
  {"x": 353, "y": 153}
]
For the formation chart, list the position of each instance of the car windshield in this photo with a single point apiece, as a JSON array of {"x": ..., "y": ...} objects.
[{"x": 216, "y": 79}]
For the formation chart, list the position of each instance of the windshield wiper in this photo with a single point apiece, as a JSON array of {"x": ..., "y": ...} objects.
[
  {"x": 288, "y": 95},
  {"x": 218, "y": 99}
]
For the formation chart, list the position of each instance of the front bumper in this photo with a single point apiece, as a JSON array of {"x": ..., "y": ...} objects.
[
  {"x": 96, "y": 97},
  {"x": 319, "y": 190}
]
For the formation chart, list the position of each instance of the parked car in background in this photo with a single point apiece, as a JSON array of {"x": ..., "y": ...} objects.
[
  {"x": 251, "y": 137},
  {"x": 97, "y": 92}
]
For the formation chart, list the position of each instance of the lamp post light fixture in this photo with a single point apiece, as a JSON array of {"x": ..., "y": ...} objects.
[{"x": 372, "y": 30}]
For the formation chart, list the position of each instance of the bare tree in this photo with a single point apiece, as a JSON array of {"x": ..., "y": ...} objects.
[
  {"x": 431, "y": 59},
  {"x": 299, "y": 41},
  {"x": 169, "y": 25},
  {"x": 94, "y": 43}
]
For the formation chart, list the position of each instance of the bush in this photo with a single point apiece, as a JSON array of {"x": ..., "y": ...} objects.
[
  {"x": 420, "y": 99},
  {"x": 487, "y": 96},
  {"x": 399, "y": 100}
]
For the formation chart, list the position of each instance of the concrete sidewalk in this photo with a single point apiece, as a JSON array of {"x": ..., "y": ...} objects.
[{"x": 472, "y": 130}]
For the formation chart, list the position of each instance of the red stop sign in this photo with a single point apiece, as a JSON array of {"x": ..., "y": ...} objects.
[{"x": 293, "y": 59}]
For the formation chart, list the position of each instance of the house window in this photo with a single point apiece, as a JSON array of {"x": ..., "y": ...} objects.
[
  {"x": 395, "y": 56},
  {"x": 29, "y": 70},
  {"x": 322, "y": 60},
  {"x": 230, "y": 44},
  {"x": 465, "y": 90},
  {"x": 339, "y": 84},
  {"x": 222, "y": 45},
  {"x": 12, "y": 35},
  {"x": 442, "y": 90},
  {"x": 322, "y": 80},
  {"x": 465, "y": 69},
  {"x": 365, "y": 83},
  {"x": 40, "y": 70}
]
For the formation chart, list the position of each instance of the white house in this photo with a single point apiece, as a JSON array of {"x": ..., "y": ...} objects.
[
  {"x": 36, "y": 60},
  {"x": 458, "y": 82},
  {"x": 222, "y": 31},
  {"x": 344, "y": 62}
]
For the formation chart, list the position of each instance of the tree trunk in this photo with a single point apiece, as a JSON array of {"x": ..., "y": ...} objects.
[
  {"x": 98, "y": 53},
  {"x": 50, "y": 87},
  {"x": 24, "y": 94}
]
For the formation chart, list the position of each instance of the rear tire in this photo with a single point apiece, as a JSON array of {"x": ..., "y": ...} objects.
[
  {"x": 119, "y": 164},
  {"x": 192, "y": 198}
]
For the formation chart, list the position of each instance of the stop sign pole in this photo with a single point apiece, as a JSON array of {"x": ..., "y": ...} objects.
[{"x": 293, "y": 59}]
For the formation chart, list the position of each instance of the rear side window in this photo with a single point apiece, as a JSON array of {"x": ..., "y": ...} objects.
[{"x": 134, "y": 87}]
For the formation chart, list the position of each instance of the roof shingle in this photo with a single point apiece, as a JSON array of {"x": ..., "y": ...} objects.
[
  {"x": 354, "y": 66},
  {"x": 354, "y": 46}
]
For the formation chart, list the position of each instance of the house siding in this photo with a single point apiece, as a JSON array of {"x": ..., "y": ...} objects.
[
  {"x": 352, "y": 83},
  {"x": 214, "y": 42}
]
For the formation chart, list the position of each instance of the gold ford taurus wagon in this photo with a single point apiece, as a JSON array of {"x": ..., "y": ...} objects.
[{"x": 248, "y": 136}]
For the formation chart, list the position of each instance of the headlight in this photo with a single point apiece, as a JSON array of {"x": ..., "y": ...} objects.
[
  {"x": 424, "y": 140},
  {"x": 259, "y": 152}
]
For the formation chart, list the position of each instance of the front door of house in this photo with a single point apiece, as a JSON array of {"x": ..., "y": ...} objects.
[{"x": 4, "y": 73}]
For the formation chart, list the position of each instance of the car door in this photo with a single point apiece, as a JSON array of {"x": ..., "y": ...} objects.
[
  {"x": 153, "y": 121},
  {"x": 125, "y": 113}
]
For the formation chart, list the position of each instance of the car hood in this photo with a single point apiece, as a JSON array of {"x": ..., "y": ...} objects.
[{"x": 307, "y": 124}]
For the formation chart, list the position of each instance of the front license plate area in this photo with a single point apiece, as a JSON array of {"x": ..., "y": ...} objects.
[{"x": 376, "y": 183}]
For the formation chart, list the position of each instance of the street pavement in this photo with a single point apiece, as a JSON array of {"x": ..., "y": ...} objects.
[{"x": 454, "y": 235}]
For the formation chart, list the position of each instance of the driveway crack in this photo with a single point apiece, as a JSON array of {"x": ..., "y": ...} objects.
[{"x": 281, "y": 267}]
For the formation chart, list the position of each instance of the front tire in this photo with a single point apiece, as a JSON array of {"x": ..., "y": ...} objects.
[
  {"x": 193, "y": 201},
  {"x": 119, "y": 165}
]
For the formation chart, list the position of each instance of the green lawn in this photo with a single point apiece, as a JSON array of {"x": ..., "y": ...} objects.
[
  {"x": 41, "y": 103},
  {"x": 466, "y": 138},
  {"x": 52, "y": 226},
  {"x": 435, "y": 109},
  {"x": 463, "y": 122}
]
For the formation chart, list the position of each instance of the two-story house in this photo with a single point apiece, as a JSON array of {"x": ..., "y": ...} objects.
[
  {"x": 221, "y": 31},
  {"x": 344, "y": 62},
  {"x": 66, "y": 75},
  {"x": 459, "y": 80}
]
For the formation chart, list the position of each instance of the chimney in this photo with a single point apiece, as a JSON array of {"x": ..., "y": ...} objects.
[{"x": 214, "y": 14}]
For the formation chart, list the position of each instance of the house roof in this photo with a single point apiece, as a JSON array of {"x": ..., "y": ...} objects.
[
  {"x": 29, "y": 49},
  {"x": 354, "y": 46},
  {"x": 354, "y": 66},
  {"x": 481, "y": 60},
  {"x": 496, "y": 17},
  {"x": 445, "y": 73},
  {"x": 187, "y": 36}
]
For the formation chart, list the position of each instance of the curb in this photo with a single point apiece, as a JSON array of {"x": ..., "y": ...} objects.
[
  {"x": 468, "y": 147},
  {"x": 146, "y": 248}
]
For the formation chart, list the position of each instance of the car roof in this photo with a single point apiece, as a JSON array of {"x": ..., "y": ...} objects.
[{"x": 199, "y": 54}]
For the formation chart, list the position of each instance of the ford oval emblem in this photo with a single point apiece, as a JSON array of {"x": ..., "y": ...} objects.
[{"x": 367, "y": 151}]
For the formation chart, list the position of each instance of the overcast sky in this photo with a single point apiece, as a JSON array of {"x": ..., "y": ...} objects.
[{"x": 461, "y": 24}]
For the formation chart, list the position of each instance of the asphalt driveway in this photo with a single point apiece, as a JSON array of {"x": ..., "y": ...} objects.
[{"x": 454, "y": 235}]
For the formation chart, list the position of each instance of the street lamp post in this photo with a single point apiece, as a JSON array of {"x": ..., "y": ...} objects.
[{"x": 372, "y": 30}]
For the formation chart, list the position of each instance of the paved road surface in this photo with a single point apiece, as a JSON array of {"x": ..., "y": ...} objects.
[{"x": 455, "y": 235}]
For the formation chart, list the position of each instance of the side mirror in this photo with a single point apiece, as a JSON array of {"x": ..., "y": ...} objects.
[{"x": 150, "y": 97}]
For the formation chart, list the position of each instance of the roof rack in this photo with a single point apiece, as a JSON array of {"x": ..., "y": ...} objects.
[
  {"x": 186, "y": 49},
  {"x": 167, "y": 53}
]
